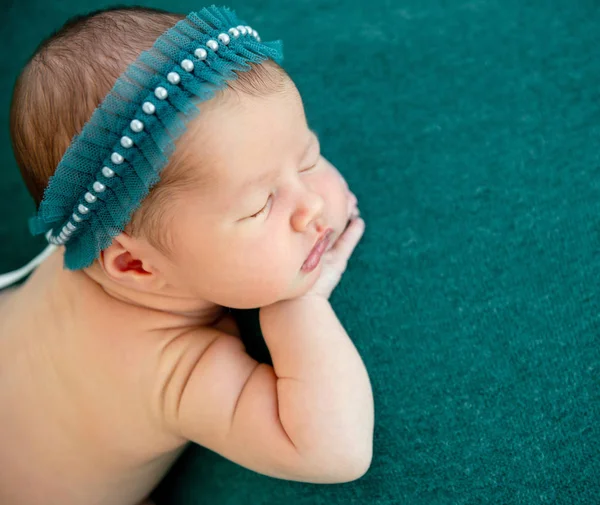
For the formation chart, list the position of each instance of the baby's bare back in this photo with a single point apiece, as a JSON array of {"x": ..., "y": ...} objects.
[{"x": 79, "y": 396}]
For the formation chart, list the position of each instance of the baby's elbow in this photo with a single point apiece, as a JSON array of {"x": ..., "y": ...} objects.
[
  {"x": 358, "y": 465},
  {"x": 365, "y": 464},
  {"x": 348, "y": 466}
]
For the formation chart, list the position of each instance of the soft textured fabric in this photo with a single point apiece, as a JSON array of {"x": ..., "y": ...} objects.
[{"x": 469, "y": 132}]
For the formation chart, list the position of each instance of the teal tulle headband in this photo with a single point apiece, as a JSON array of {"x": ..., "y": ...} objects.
[{"x": 110, "y": 167}]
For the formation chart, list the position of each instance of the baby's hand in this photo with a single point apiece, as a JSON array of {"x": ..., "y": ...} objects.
[
  {"x": 335, "y": 260},
  {"x": 352, "y": 205}
]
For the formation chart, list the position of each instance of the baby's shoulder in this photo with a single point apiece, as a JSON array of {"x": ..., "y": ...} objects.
[{"x": 194, "y": 341}]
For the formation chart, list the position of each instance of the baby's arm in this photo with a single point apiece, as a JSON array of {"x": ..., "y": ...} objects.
[
  {"x": 308, "y": 418},
  {"x": 325, "y": 398}
]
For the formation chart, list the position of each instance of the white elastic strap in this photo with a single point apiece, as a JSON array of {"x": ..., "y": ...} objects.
[{"x": 12, "y": 277}]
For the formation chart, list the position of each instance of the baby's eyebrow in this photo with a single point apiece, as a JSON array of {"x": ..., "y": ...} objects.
[{"x": 261, "y": 179}]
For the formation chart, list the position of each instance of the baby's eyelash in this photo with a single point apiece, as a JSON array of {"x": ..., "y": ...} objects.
[
  {"x": 310, "y": 168},
  {"x": 261, "y": 211}
]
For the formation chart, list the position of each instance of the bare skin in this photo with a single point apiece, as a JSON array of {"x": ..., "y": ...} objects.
[
  {"x": 62, "y": 430},
  {"x": 63, "y": 357},
  {"x": 106, "y": 374}
]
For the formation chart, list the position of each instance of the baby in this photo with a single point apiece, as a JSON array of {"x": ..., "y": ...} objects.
[{"x": 107, "y": 372}]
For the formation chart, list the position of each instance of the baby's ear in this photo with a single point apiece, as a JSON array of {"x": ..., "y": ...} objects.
[{"x": 126, "y": 262}]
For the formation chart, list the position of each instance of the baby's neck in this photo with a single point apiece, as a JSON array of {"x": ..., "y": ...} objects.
[{"x": 177, "y": 309}]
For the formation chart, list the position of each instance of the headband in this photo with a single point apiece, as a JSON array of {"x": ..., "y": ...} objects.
[{"x": 110, "y": 167}]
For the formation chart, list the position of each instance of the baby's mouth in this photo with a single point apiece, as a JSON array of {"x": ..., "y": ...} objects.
[{"x": 322, "y": 245}]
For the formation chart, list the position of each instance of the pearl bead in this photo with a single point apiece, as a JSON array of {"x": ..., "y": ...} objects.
[
  {"x": 66, "y": 231},
  {"x": 187, "y": 65},
  {"x": 161, "y": 93},
  {"x": 200, "y": 53},
  {"x": 71, "y": 226},
  {"x": 136, "y": 125},
  {"x": 149, "y": 108},
  {"x": 76, "y": 218},
  {"x": 62, "y": 236},
  {"x": 258, "y": 37},
  {"x": 234, "y": 32},
  {"x": 242, "y": 29},
  {"x": 126, "y": 142},
  {"x": 213, "y": 44},
  {"x": 173, "y": 78},
  {"x": 82, "y": 209},
  {"x": 99, "y": 187},
  {"x": 107, "y": 172},
  {"x": 116, "y": 158},
  {"x": 249, "y": 29},
  {"x": 224, "y": 38},
  {"x": 254, "y": 33},
  {"x": 89, "y": 198}
]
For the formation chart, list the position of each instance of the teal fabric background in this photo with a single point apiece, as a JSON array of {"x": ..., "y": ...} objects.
[{"x": 469, "y": 132}]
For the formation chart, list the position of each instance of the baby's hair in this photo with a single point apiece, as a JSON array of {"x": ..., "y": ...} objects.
[{"x": 69, "y": 75}]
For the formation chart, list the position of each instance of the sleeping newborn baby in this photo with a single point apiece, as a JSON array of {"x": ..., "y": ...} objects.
[{"x": 107, "y": 372}]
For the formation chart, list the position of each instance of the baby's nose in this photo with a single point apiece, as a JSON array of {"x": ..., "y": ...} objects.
[{"x": 310, "y": 210}]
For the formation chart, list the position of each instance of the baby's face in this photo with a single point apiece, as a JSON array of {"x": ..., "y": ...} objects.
[{"x": 241, "y": 240}]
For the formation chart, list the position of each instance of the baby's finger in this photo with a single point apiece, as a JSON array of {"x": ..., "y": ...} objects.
[
  {"x": 352, "y": 202},
  {"x": 348, "y": 240},
  {"x": 352, "y": 199}
]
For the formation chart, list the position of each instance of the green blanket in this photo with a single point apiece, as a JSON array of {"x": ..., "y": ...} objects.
[{"x": 469, "y": 131}]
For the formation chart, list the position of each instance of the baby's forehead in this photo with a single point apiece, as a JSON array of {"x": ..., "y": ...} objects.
[
  {"x": 236, "y": 142},
  {"x": 204, "y": 171}
]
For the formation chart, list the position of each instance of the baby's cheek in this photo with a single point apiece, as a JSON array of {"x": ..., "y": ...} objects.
[
  {"x": 333, "y": 169},
  {"x": 336, "y": 195}
]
